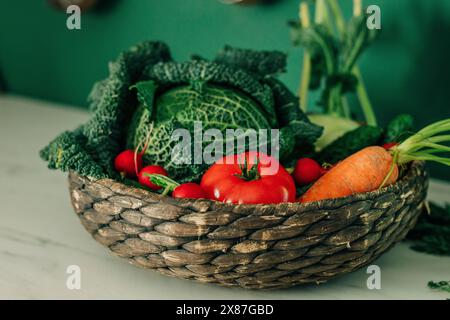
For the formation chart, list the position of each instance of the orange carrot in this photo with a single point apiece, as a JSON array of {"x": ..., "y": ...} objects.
[
  {"x": 375, "y": 167},
  {"x": 363, "y": 171}
]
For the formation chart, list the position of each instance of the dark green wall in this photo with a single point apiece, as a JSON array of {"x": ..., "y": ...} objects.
[{"x": 406, "y": 71}]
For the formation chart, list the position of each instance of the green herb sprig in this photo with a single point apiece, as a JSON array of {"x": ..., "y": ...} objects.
[
  {"x": 441, "y": 285},
  {"x": 163, "y": 181},
  {"x": 432, "y": 232},
  {"x": 332, "y": 47}
]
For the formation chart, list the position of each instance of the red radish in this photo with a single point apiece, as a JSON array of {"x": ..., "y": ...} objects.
[
  {"x": 129, "y": 162},
  {"x": 189, "y": 190},
  {"x": 144, "y": 179},
  {"x": 389, "y": 145},
  {"x": 307, "y": 170},
  {"x": 126, "y": 164}
]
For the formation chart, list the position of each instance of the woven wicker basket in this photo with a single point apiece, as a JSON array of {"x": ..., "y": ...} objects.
[{"x": 249, "y": 246}]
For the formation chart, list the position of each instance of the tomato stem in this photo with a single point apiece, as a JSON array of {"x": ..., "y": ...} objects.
[{"x": 249, "y": 174}]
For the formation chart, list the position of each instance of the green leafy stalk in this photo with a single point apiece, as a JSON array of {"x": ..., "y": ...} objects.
[
  {"x": 422, "y": 147},
  {"x": 321, "y": 12},
  {"x": 319, "y": 41},
  {"x": 163, "y": 181},
  {"x": 425, "y": 144},
  {"x": 306, "y": 70},
  {"x": 357, "y": 41},
  {"x": 304, "y": 84},
  {"x": 357, "y": 7},
  {"x": 332, "y": 49},
  {"x": 338, "y": 16},
  {"x": 335, "y": 101},
  {"x": 361, "y": 90},
  {"x": 364, "y": 100}
]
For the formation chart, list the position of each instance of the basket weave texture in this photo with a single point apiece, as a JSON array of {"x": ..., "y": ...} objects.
[{"x": 249, "y": 246}]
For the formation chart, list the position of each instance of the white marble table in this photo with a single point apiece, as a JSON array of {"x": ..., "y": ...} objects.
[{"x": 40, "y": 236}]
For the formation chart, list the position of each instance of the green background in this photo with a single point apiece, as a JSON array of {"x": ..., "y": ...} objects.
[{"x": 407, "y": 70}]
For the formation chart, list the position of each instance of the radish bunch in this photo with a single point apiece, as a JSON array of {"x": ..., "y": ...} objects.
[{"x": 129, "y": 164}]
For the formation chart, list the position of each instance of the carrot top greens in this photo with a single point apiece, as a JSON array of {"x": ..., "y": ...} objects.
[{"x": 425, "y": 145}]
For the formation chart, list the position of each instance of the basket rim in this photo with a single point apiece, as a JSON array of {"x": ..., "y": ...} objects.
[{"x": 412, "y": 171}]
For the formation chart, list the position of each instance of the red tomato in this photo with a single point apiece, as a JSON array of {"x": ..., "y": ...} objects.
[
  {"x": 189, "y": 190},
  {"x": 266, "y": 182},
  {"x": 145, "y": 180},
  {"x": 125, "y": 165}
]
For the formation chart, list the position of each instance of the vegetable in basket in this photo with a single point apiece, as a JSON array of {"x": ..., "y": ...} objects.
[
  {"x": 248, "y": 178},
  {"x": 189, "y": 190},
  {"x": 148, "y": 95},
  {"x": 186, "y": 190},
  {"x": 398, "y": 129},
  {"x": 307, "y": 171},
  {"x": 144, "y": 174},
  {"x": 375, "y": 167},
  {"x": 128, "y": 163},
  {"x": 231, "y": 92}
]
